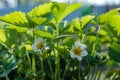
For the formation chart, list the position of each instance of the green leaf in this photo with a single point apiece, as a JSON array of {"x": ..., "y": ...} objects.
[
  {"x": 43, "y": 34},
  {"x": 70, "y": 9},
  {"x": 58, "y": 9},
  {"x": 77, "y": 24},
  {"x": 62, "y": 10},
  {"x": 69, "y": 41},
  {"x": 38, "y": 21},
  {"x": 104, "y": 17},
  {"x": 61, "y": 37},
  {"x": 86, "y": 19},
  {"x": 17, "y": 18},
  {"x": 114, "y": 21},
  {"x": 9, "y": 37},
  {"x": 41, "y": 10},
  {"x": 8, "y": 64},
  {"x": 114, "y": 52},
  {"x": 18, "y": 29},
  {"x": 40, "y": 14},
  {"x": 12, "y": 39},
  {"x": 2, "y": 36},
  {"x": 116, "y": 47}
]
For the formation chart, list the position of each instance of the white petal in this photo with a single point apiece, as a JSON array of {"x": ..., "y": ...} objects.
[
  {"x": 83, "y": 46},
  {"x": 77, "y": 43},
  {"x": 84, "y": 53},
  {"x": 71, "y": 54},
  {"x": 79, "y": 58},
  {"x": 33, "y": 46},
  {"x": 38, "y": 40}
]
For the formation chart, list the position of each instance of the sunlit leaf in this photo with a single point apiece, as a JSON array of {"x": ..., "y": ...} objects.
[
  {"x": 2, "y": 36},
  {"x": 70, "y": 9},
  {"x": 86, "y": 19},
  {"x": 28, "y": 47},
  {"x": 62, "y": 10},
  {"x": 77, "y": 24},
  {"x": 43, "y": 34},
  {"x": 104, "y": 17},
  {"x": 18, "y": 29},
  {"x": 114, "y": 22},
  {"x": 103, "y": 33},
  {"x": 17, "y": 18},
  {"x": 40, "y": 10},
  {"x": 40, "y": 14},
  {"x": 38, "y": 20}
]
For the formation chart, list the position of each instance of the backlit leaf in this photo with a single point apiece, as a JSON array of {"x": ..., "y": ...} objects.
[
  {"x": 17, "y": 18},
  {"x": 2, "y": 36},
  {"x": 104, "y": 17},
  {"x": 43, "y": 34},
  {"x": 40, "y": 10},
  {"x": 62, "y": 10},
  {"x": 86, "y": 19}
]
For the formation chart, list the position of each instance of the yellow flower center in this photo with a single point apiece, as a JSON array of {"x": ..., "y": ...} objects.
[
  {"x": 40, "y": 45},
  {"x": 77, "y": 51}
]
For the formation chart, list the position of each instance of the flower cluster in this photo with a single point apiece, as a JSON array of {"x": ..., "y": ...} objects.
[{"x": 78, "y": 49}]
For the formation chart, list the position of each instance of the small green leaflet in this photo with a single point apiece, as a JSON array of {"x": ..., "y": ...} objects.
[{"x": 17, "y": 18}]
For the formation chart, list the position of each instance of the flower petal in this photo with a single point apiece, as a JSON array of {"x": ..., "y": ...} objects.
[
  {"x": 79, "y": 58},
  {"x": 77, "y": 43},
  {"x": 38, "y": 40},
  {"x": 84, "y": 53},
  {"x": 71, "y": 54},
  {"x": 83, "y": 46}
]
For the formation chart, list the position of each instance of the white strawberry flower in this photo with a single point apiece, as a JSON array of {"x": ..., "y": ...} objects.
[
  {"x": 78, "y": 50},
  {"x": 39, "y": 44}
]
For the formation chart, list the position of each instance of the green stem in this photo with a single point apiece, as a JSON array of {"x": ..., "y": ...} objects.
[
  {"x": 7, "y": 78},
  {"x": 88, "y": 76},
  {"x": 93, "y": 49},
  {"x": 79, "y": 71},
  {"x": 80, "y": 76},
  {"x": 115, "y": 75},
  {"x": 66, "y": 68},
  {"x": 96, "y": 41},
  {"x": 28, "y": 57},
  {"x": 57, "y": 55},
  {"x": 33, "y": 67},
  {"x": 33, "y": 61},
  {"x": 49, "y": 63},
  {"x": 93, "y": 73},
  {"x": 100, "y": 72},
  {"x": 57, "y": 62},
  {"x": 42, "y": 66},
  {"x": 83, "y": 36}
]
